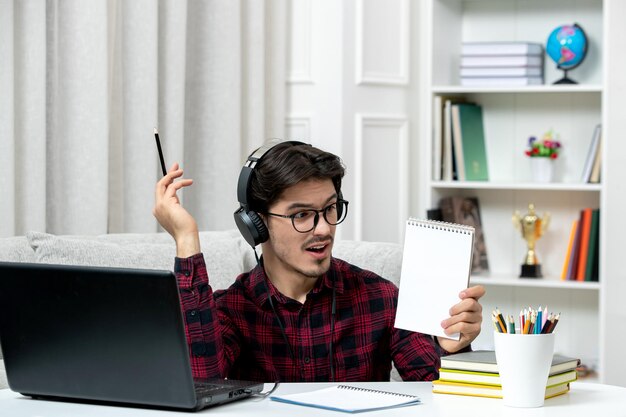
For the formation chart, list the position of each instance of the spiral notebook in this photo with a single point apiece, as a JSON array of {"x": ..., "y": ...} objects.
[
  {"x": 348, "y": 399},
  {"x": 436, "y": 265}
]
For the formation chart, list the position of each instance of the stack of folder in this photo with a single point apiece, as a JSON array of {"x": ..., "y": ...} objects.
[{"x": 476, "y": 374}]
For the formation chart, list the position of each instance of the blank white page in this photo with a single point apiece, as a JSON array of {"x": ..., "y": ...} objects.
[{"x": 436, "y": 265}]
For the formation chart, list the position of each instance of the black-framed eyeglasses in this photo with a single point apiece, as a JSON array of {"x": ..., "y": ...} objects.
[{"x": 306, "y": 220}]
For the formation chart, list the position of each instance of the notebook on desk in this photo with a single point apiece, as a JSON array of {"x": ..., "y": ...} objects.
[{"x": 101, "y": 334}]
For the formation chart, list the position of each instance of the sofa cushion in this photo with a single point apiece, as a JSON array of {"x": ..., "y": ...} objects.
[
  {"x": 3, "y": 376},
  {"x": 385, "y": 259},
  {"x": 16, "y": 249},
  {"x": 222, "y": 251}
]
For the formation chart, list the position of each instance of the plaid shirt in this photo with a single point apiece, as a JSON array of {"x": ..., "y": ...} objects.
[{"x": 235, "y": 333}]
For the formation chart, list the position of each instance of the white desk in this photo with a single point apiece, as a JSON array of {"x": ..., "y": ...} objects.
[{"x": 584, "y": 399}]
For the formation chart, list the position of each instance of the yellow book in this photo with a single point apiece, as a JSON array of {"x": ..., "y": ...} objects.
[
  {"x": 493, "y": 379},
  {"x": 572, "y": 236},
  {"x": 476, "y": 390}
]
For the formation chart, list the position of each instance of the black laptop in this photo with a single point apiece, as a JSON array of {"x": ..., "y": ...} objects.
[{"x": 101, "y": 335}]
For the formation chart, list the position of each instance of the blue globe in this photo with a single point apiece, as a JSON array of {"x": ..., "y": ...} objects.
[{"x": 567, "y": 46}]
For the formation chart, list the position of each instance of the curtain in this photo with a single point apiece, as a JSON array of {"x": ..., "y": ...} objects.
[{"x": 84, "y": 82}]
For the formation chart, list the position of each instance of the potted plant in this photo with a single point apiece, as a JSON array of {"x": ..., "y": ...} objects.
[{"x": 542, "y": 154}]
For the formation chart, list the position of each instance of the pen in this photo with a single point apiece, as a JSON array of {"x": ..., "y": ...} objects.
[{"x": 158, "y": 142}]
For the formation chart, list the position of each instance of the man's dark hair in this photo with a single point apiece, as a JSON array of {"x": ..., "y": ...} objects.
[{"x": 286, "y": 165}]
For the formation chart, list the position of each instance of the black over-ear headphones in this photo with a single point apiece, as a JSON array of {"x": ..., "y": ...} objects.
[{"x": 249, "y": 223}]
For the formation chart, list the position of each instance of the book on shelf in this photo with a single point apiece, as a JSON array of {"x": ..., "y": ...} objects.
[
  {"x": 591, "y": 154},
  {"x": 582, "y": 255},
  {"x": 469, "y": 139},
  {"x": 500, "y": 81},
  {"x": 501, "y": 48},
  {"x": 501, "y": 72},
  {"x": 487, "y": 378},
  {"x": 502, "y": 61},
  {"x": 448, "y": 169},
  {"x": 488, "y": 391},
  {"x": 485, "y": 361},
  {"x": 457, "y": 145},
  {"x": 574, "y": 255},
  {"x": 591, "y": 269},
  {"x": 570, "y": 245},
  {"x": 585, "y": 225},
  {"x": 466, "y": 210},
  {"x": 594, "y": 178},
  {"x": 437, "y": 149},
  {"x": 443, "y": 152}
]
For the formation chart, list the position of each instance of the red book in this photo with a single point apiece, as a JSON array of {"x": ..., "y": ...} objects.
[{"x": 584, "y": 244}]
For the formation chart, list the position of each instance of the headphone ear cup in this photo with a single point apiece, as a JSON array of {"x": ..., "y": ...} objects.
[
  {"x": 262, "y": 233},
  {"x": 251, "y": 226}
]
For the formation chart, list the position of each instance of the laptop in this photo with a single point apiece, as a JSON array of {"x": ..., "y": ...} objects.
[{"x": 100, "y": 334}]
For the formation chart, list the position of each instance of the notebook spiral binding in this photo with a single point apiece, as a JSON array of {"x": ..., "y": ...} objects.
[
  {"x": 439, "y": 225},
  {"x": 351, "y": 388}
]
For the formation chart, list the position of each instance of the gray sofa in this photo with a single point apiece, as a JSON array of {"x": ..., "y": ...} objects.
[{"x": 226, "y": 253}]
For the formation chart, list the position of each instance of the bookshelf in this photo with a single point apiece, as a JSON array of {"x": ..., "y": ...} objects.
[{"x": 511, "y": 115}]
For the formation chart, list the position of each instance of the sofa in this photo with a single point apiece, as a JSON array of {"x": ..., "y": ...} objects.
[{"x": 226, "y": 253}]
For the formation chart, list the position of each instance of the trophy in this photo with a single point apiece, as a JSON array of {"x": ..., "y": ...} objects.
[{"x": 532, "y": 228}]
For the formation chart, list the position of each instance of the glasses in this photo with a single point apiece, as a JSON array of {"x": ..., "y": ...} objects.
[{"x": 306, "y": 220}]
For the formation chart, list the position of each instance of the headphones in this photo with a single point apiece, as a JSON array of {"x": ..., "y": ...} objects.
[{"x": 249, "y": 222}]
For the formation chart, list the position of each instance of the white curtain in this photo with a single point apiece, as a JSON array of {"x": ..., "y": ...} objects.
[{"x": 84, "y": 82}]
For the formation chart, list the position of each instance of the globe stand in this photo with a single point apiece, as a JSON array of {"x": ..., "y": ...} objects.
[{"x": 565, "y": 79}]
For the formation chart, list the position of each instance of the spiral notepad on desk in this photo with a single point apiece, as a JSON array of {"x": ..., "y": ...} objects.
[
  {"x": 436, "y": 266},
  {"x": 348, "y": 398}
]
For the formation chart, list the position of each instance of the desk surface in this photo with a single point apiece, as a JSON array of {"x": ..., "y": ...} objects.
[{"x": 584, "y": 399}]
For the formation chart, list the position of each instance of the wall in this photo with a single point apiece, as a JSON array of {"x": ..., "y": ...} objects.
[{"x": 350, "y": 83}]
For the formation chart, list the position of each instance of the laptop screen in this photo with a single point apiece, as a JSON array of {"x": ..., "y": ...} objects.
[{"x": 93, "y": 333}]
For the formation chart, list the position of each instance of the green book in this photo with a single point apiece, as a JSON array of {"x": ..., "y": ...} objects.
[
  {"x": 592, "y": 252},
  {"x": 473, "y": 142}
]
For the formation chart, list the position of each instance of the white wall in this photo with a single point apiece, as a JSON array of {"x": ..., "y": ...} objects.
[{"x": 349, "y": 91}]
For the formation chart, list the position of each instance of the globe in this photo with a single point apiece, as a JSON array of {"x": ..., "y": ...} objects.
[{"x": 567, "y": 46}]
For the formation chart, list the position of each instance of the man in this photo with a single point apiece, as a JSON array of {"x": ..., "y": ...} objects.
[{"x": 300, "y": 315}]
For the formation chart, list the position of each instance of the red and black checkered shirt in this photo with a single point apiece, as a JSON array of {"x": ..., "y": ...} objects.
[{"x": 234, "y": 333}]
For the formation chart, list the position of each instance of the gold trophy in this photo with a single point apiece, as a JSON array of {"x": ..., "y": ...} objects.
[{"x": 532, "y": 228}]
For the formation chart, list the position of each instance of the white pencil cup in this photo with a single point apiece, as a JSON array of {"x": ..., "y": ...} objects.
[{"x": 524, "y": 362}]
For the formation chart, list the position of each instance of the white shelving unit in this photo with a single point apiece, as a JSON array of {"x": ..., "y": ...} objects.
[{"x": 511, "y": 115}]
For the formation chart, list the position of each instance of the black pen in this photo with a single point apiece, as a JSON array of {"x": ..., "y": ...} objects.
[{"x": 158, "y": 142}]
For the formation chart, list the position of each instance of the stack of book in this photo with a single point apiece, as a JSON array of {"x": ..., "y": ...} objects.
[
  {"x": 459, "y": 146},
  {"x": 583, "y": 250},
  {"x": 476, "y": 374},
  {"x": 501, "y": 63}
]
